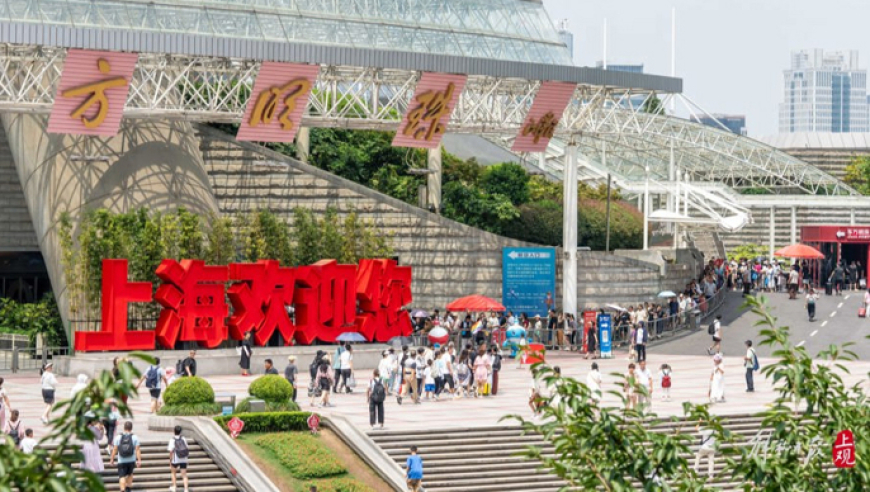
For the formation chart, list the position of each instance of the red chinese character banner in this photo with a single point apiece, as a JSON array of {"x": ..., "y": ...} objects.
[
  {"x": 303, "y": 304},
  {"x": 278, "y": 99},
  {"x": 92, "y": 92},
  {"x": 544, "y": 116},
  {"x": 425, "y": 122}
]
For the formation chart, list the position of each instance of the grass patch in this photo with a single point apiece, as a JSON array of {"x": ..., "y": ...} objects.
[
  {"x": 302, "y": 455},
  {"x": 274, "y": 463}
]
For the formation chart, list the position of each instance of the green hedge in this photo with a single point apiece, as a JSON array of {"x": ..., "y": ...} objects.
[
  {"x": 341, "y": 484},
  {"x": 188, "y": 391},
  {"x": 271, "y": 388},
  {"x": 302, "y": 454},
  {"x": 244, "y": 406},
  {"x": 269, "y": 421},
  {"x": 190, "y": 409}
]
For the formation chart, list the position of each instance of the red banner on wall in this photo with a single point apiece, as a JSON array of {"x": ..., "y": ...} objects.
[
  {"x": 326, "y": 299},
  {"x": 544, "y": 116},
  {"x": 425, "y": 122}
]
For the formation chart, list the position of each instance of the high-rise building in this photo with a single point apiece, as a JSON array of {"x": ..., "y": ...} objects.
[
  {"x": 735, "y": 123},
  {"x": 824, "y": 92},
  {"x": 566, "y": 36},
  {"x": 617, "y": 67}
]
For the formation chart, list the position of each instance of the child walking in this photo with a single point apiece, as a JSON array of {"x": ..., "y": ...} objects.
[
  {"x": 429, "y": 380},
  {"x": 665, "y": 378}
]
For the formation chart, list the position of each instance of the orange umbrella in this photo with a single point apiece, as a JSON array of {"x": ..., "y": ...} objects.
[
  {"x": 801, "y": 251},
  {"x": 476, "y": 303}
]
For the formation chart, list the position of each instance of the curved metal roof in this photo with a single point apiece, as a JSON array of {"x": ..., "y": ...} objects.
[{"x": 509, "y": 30}]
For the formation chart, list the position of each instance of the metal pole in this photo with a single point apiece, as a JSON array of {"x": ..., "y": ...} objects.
[
  {"x": 604, "y": 56},
  {"x": 607, "y": 219},
  {"x": 646, "y": 211},
  {"x": 569, "y": 232}
]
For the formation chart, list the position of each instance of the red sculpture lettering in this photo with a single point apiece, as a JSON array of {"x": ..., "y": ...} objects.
[
  {"x": 117, "y": 293},
  {"x": 260, "y": 302},
  {"x": 382, "y": 289},
  {"x": 194, "y": 308}
]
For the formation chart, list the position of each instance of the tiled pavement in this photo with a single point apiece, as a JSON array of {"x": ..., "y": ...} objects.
[{"x": 691, "y": 376}]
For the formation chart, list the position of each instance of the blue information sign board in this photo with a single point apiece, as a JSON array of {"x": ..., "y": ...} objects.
[
  {"x": 529, "y": 280},
  {"x": 605, "y": 335}
]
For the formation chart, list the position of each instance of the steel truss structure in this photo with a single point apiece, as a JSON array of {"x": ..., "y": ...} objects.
[{"x": 214, "y": 89}]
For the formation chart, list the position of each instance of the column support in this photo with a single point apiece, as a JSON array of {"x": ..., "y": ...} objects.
[
  {"x": 794, "y": 225},
  {"x": 569, "y": 232},
  {"x": 851, "y": 216},
  {"x": 772, "y": 229},
  {"x": 646, "y": 211},
  {"x": 303, "y": 143},
  {"x": 433, "y": 180}
]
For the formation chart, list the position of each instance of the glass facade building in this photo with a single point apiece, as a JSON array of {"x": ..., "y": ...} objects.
[
  {"x": 735, "y": 123},
  {"x": 824, "y": 92}
]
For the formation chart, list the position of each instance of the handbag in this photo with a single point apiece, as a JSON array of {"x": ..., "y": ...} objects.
[{"x": 351, "y": 382}]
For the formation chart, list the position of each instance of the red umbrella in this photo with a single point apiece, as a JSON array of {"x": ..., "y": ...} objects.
[
  {"x": 475, "y": 303},
  {"x": 801, "y": 251}
]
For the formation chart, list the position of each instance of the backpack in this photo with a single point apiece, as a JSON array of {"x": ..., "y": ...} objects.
[
  {"x": 755, "y": 365},
  {"x": 152, "y": 378},
  {"x": 181, "y": 449},
  {"x": 125, "y": 446},
  {"x": 496, "y": 364},
  {"x": 13, "y": 433},
  {"x": 379, "y": 394},
  {"x": 462, "y": 370},
  {"x": 179, "y": 368},
  {"x": 666, "y": 380},
  {"x": 711, "y": 330}
]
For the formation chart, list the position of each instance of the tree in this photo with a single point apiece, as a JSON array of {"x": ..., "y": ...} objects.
[
  {"x": 858, "y": 174},
  {"x": 221, "y": 249},
  {"x": 539, "y": 222},
  {"x": 508, "y": 179},
  {"x": 307, "y": 235},
  {"x": 331, "y": 237},
  {"x": 470, "y": 205},
  {"x": 653, "y": 105},
  {"x": 748, "y": 251}
]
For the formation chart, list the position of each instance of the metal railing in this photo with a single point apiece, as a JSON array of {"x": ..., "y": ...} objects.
[{"x": 23, "y": 359}]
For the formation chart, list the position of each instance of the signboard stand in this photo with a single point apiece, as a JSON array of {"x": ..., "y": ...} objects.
[
  {"x": 605, "y": 335},
  {"x": 529, "y": 280}
]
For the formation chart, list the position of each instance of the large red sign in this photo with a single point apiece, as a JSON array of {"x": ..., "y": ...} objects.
[{"x": 327, "y": 299}]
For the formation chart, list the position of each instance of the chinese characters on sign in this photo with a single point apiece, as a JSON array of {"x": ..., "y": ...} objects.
[
  {"x": 843, "y": 452},
  {"x": 235, "y": 425},
  {"x": 528, "y": 280},
  {"x": 425, "y": 122},
  {"x": 278, "y": 100},
  {"x": 327, "y": 299},
  {"x": 544, "y": 116},
  {"x": 92, "y": 92}
]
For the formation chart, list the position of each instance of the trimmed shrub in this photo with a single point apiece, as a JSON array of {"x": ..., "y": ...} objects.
[
  {"x": 272, "y": 388},
  {"x": 269, "y": 421},
  {"x": 190, "y": 409},
  {"x": 302, "y": 454},
  {"x": 244, "y": 406},
  {"x": 188, "y": 391},
  {"x": 341, "y": 484}
]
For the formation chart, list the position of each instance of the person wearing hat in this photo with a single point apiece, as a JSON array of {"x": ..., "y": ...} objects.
[
  {"x": 49, "y": 385},
  {"x": 290, "y": 373},
  {"x": 717, "y": 381}
]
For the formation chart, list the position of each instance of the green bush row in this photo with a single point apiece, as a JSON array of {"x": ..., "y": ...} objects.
[
  {"x": 269, "y": 421},
  {"x": 302, "y": 454},
  {"x": 188, "y": 391},
  {"x": 244, "y": 406},
  {"x": 340, "y": 484},
  {"x": 190, "y": 409}
]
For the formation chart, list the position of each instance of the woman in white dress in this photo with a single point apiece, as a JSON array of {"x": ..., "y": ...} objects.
[{"x": 717, "y": 381}]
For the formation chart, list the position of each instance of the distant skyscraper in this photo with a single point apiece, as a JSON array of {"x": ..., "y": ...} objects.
[
  {"x": 824, "y": 92},
  {"x": 620, "y": 67},
  {"x": 736, "y": 123},
  {"x": 566, "y": 36}
]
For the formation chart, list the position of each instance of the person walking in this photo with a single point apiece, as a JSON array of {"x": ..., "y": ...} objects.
[
  {"x": 482, "y": 366},
  {"x": 188, "y": 365},
  {"x": 593, "y": 382},
  {"x": 324, "y": 381},
  {"x": 495, "y": 364},
  {"x": 269, "y": 368},
  {"x": 179, "y": 454},
  {"x": 13, "y": 428},
  {"x": 91, "y": 448},
  {"x": 716, "y": 331},
  {"x": 409, "y": 378},
  {"x": 838, "y": 276},
  {"x": 716, "y": 392},
  {"x": 414, "y": 471},
  {"x": 644, "y": 379},
  {"x": 707, "y": 449},
  {"x": 153, "y": 377},
  {"x": 345, "y": 365},
  {"x": 750, "y": 362},
  {"x": 812, "y": 297},
  {"x": 49, "y": 386},
  {"x": 245, "y": 354},
  {"x": 290, "y": 373},
  {"x": 126, "y": 449},
  {"x": 641, "y": 337},
  {"x": 375, "y": 395},
  {"x": 629, "y": 388},
  {"x": 4, "y": 404}
]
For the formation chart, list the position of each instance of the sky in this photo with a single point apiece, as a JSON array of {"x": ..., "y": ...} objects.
[{"x": 730, "y": 53}]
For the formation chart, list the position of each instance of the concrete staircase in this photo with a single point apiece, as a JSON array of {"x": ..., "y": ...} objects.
[
  {"x": 709, "y": 243},
  {"x": 484, "y": 459},
  {"x": 154, "y": 476},
  {"x": 15, "y": 223}
]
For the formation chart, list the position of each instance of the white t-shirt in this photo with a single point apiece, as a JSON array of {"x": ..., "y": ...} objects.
[
  {"x": 643, "y": 377},
  {"x": 717, "y": 329},
  {"x": 708, "y": 440},
  {"x": 27, "y": 445},
  {"x": 385, "y": 367},
  {"x": 171, "y": 447},
  {"x": 640, "y": 332},
  {"x": 344, "y": 359},
  {"x": 750, "y": 363},
  {"x": 2, "y": 396},
  {"x": 427, "y": 376},
  {"x": 49, "y": 382},
  {"x": 593, "y": 381}
]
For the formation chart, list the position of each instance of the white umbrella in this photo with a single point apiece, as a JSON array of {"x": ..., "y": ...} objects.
[
  {"x": 616, "y": 308},
  {"x": 666, "y": 293}
]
